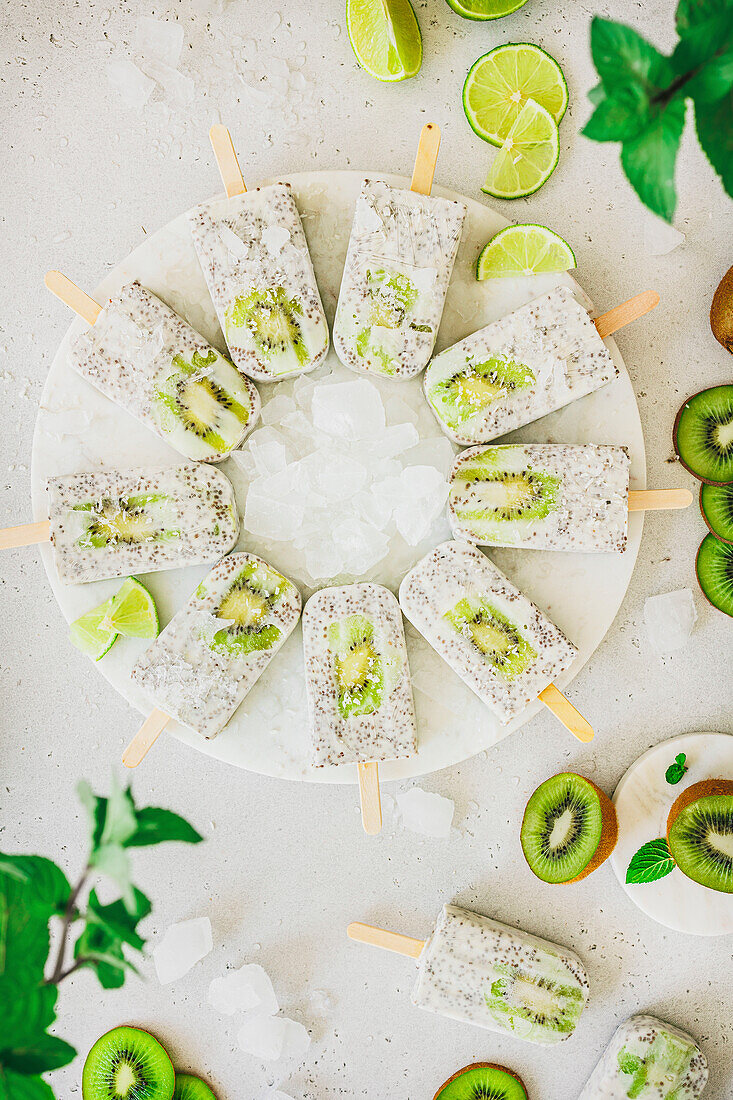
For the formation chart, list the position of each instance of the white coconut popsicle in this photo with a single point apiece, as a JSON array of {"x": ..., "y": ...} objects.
[
  {"x": 479, "y": 971},
  {"x": 492, "y": 636},
  {"x": 151, "y": 363},
  {"x": 112, "y": 524},
  {"x": 648, "y": 1059},
  {"x": 200, "y": 667}
]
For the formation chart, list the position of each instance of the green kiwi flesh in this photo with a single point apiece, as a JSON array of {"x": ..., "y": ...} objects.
[
  {"x": 476, "y": 386},
  {"x": 482, "y": 1081},
  {"x": 247, "y": 605},
  {"x": 495, "y": 505},
  {"x": 497, "y": 638},
  {"x": 127, "y": 1064},
  {"x": 703, "y": 435},
  {"x": 123, "y": 521},
  {"x": 562, "y": 828},
  {"x": 716, "y": 505},
  {"x": 358, "y": 666},
  {"x": 700, "y": 839},
  {"x": 272, "y": 320},
  {"x": 191, "y": 1088},
  {"x": 714, "y": 569}
]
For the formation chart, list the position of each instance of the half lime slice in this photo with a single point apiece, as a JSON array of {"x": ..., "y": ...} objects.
[
  {"x": 499, "y": 84},
  {"x": 132, "y": 612},
  {"x": 385, "y": 37},
  {"x": 527, "y": 156},
  {"x": 524, "y": 250},
  {"x": 485, "y": 9},
  {"x": 91, "y": 635}
]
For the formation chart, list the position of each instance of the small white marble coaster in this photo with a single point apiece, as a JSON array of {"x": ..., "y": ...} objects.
[{"x": 643, "y": 800}]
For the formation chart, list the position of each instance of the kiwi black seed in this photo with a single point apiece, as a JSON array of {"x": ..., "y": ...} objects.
[
  {"x": 482, "y": 1081},
  {"x": 703, "y": 435},
  {"x": 569, "y": 829},
  {"x": 714, "y": 569},
  {"x": 700, "y": 834},
  {"x": 127, "y": 1064},
  {"x": 716, "y": 505},
  {"x": 191, "y": 1088}
]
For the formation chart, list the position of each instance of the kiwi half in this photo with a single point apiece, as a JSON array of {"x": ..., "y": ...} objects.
[
  {"x": 714, "y": 569},
  {"x": 357, "y": 665},
  {"x": 482, "y": 1081},
  {"x": 191, "y": 1088},
  {"x": 127, "y": 1064},
  {"x": 716, "y": 505},
  {"x": 703, "y": 435},
  {"x": 700, "y": 833},
  {"x": 569, "y": 829}
]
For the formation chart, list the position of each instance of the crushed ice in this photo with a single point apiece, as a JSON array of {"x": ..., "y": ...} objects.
[
  {"x": 425, "y": 812},
  {"x": 183, "y": 945},
  {"x": 248, "y": 989},
  {"x": 669, "y": 619},
  {"x": 273, "y": 1038}
]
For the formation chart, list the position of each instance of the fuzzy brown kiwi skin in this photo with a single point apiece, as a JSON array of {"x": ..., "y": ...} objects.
[
  {"x": 479, "y": 1065},
  {"x": 707, "y": 521},
  {"x": 721, "y": 311},
  {"x": 704, "y": 789},
  {"x": 609, "y": 834},
  {"x": 680, "y": 459}
]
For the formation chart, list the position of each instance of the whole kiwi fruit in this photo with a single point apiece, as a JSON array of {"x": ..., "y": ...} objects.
[{"x": 721, "y": 311}]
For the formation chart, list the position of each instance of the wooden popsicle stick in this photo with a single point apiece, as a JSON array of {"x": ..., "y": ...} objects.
[
  {"x": 566, "y": 713},
  {"x": 656, "y": 500},
  {"x": 627, "y": 312},
  {"x": 226, "y": 159},
  {"x": 427, "y": 155},
  {"x": 145, "y": 738},
  {"x": 387, "y": 941},
  {"x": 28, "y": 534},
  {"x": 72, "y": 296},
  {"x": 371, "y": 803}
]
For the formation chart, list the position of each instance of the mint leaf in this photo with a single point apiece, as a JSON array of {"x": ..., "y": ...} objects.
[
  {"x": 622, "y": 56},
  {"x": 691, "y": 13},
  {"x": 108, "y": 928},
  {"x": 675, "y": 771},
  {"x": 15, "y": 1087},
  {"x": 649, "y": 160},
  {"x": 154, "y": 826},
  {"x": 43, "y": 1054},
  {"x": 619, "y": 116},
  {"x": 651, "y": 862},
  {"x": 714, "y": 125}
]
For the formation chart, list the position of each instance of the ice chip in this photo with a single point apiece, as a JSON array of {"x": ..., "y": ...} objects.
[
  {"x": 129, "y": 81},
  {"x": 349, "y": 410},
  {"x": 183, "y": 945},
  {"x": 267, "y": 516},
  {"x": 669, "y": 619},
  {"x": 274, "y": 238},
  {"x": 425, "y": 812},
  {"x": 659, "y": 237},
  {"x": 424, "y": 492},
  {"x": 248, "y": 989},
  {"x": 177, "y": 86},
  {"x": 160, "y": 39},
  {"x": 396, "y": 440},
  {"x": 272, "y": 1038},
  {"x": 277, "y": 408}
]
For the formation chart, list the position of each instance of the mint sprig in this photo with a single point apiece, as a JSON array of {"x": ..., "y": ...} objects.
[
  {"x": 675, "y": 772},
  {"x": 652, "y": 861},
  {"x": 642, "y": 97}
]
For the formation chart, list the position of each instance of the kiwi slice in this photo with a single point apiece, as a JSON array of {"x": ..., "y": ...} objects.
[
  {"x": 569, "y": 829},
  {"x": 703, "y": 435},
  {"x": 532, "y": 1004},
  {"x": 194, "y": 395},
  {"x": 357, "y": 665},
  {"x": 482, "y": 1081},
  {"x": 716, "y": 505},
  {"x": 476, "y": 386},
  {"x": 391, "y": 297},
  {"x": 494, "y": 504},
  {"x": 123, "y": 521},
  {"x": 714, "y": 569},
  {"x": 191, "y": 1088},
  {"x": 700, "y": 833},
  {"x": 247, "y": 605},
  {"x": 721, "y": 311},
  {"x": 271, "y": 318},
  {"x": 495, "y": 636},
  {"x": 127, "y": 1064}
]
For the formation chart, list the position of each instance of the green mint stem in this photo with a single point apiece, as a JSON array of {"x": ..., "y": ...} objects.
[{"x": 70, "y": 915}]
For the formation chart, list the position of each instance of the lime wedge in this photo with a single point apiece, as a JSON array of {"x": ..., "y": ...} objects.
[
  {"x": 485, "y": 9},
  {"x": 500, "y": 83},
  {"x": 524, "y": 250},
  {"x": 90, "y": 635},
  {"x": 385, "y": 37},
  {"x": 132, "y": 612},
  {"x": 527, "y": 156}
]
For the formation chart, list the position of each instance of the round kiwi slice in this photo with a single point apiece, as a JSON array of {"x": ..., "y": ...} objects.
[
  {"x": 191, "y": 1088},
  {"x": 714, "y": 568},
  {"x": 482, "y": 1081},
  {"x": 700, "y": 833},
  {"x": 721, "y": 311},
  {"x": 127, "y": 1064},
  {"x": 703, "y": 435},
  {"x": 569, "y": 829},
  {"x": 716, "y": 505}
]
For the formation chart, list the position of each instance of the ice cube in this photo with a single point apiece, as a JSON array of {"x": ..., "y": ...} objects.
[
  {"x": 323, "y": 560},
  {"x": 349, "y": 410},
  {"x": 272, "y": 1038},
  {"x": 182, "y": 946},
  {"x": 361, "y": 545},
  {"x": 439, "y": 453},
  {"x": 267, "y": 448},
  {"x": 269, "y": 516},
  {"x": 177, "y": 86},
  {"x": 160, "y": 39},
  {"x": 396, "y": 440},
  {"x": 424, "y": 492},
  {"x": 425, "y": 812},
  {"x": 399, "y": 412},
  {"x": 669, "y": 619},
  {"x": 274, "y": 238},
  {"x": 248, "y": 989},
  {"x": 660, "y": 238},
  {"x": 129, "y": 81},
  {"x": 335, "y": 476},
  {"x": 277, "y": 408}
]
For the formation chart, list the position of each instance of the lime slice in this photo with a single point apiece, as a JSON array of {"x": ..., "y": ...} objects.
[
  {"x": 132, "y": 612},
  {"x": 91, "y": 635},
  {"x": 485, "y": 9},
  {"x": 500, "y": 83},
  {"x": 524, "y": 250},
  {"x": 385, "y": 37},
  {"x": 527, "y": 157}
]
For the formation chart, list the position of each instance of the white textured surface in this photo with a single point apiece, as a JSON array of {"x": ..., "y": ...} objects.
[{"x": 287, "y": 866}]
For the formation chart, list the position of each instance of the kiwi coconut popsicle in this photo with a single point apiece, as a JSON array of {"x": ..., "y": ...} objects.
[
  {"x": 151, "y": 363},
  {"x": 648, "y": 1059}
]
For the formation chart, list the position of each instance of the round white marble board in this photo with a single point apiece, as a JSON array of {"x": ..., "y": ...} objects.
[
  {"x": 79, "y": 429},
  {"x": 643, "y": 800}
]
